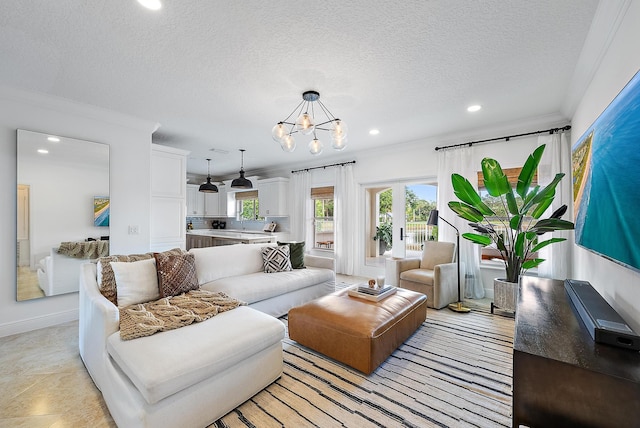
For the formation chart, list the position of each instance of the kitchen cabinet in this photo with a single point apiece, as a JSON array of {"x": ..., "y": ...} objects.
[
  {"x": 212, "y": 204},
  {"x": 195, "y": 201},
  {"x": 223, "y": 210},
  {"x": 272, "y": 195}
]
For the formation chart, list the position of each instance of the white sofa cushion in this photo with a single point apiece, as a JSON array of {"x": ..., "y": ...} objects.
[
  {"x": 213, "y": 346},
  {"x": 229, "y": 260},
  {"x": 260, "y": 286},
  {"x": 136, "y": 282}
]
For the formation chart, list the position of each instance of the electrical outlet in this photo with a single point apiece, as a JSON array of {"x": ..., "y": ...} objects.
[{"x": 134, "y": 230}]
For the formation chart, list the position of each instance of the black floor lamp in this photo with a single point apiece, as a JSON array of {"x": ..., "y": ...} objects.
[{"x": 433, "y": 221}]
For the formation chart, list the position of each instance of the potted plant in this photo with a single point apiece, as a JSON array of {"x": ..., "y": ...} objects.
[
  {"x": 384, "y": 236},
  {"x": 520, "y": 238}
]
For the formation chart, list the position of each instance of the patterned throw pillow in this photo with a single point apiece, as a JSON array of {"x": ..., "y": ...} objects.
[
  {"x": 176, "y": 273},
  {"x": 106, "y": 277},
  {"x": 296, "y": 254},
  {"x": 276, "y": 259}
]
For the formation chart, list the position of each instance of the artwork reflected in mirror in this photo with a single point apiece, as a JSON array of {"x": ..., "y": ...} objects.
[{"x": 62, "y": 211}]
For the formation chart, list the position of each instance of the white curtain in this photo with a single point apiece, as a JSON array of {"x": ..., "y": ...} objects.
[
  {"x": 557, "y": 158},
  {"x": 461, "y": 161},
  {"x": 301, "y": 218},
  {"x": 344, "y": 219}
]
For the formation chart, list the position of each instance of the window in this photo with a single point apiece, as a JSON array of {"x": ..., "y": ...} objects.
[
  {"x": 323, "y": 217},
  {"x": 501, "y": 221},
  {"x": 248, "y": 206}
]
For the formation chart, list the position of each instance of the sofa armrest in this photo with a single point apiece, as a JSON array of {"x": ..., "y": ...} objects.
[
  {"x": 98, "y": 319},
  {"x": 319, "y": 262},
  {"x": 394, "y": 267}
]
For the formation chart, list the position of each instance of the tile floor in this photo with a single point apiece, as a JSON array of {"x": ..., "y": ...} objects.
[{"x": 45, "y": 384}]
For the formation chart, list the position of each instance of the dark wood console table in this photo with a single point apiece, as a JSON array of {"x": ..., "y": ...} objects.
[{"x": 561, "y": 377}]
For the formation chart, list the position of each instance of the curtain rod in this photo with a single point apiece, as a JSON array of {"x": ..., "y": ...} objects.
[
  {"x": 507, "y": 138},
  {"x": 324, "y": 166}
]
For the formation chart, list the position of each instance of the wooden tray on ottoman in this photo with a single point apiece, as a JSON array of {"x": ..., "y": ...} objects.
[{"x": 359, "y": 333}]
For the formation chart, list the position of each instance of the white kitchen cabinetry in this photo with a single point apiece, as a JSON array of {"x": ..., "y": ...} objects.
[
  {"x": 168, "y": 198},
  {"x": 223, "y": 210},
  {"x": 195, "y": 201},
  {"x": 212, "y": 204},
  {"x": 272, "y": 195}
]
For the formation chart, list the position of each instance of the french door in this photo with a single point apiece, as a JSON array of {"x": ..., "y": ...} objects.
[{"x": 404, "y": 207}]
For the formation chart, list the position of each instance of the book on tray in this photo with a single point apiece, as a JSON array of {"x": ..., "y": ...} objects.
[{"x": 374, "y": 291}]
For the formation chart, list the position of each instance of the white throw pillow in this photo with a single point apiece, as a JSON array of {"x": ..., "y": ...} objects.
[{"x": 136, "y": 282}]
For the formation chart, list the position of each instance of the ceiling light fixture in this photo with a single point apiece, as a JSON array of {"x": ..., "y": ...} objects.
[
  {"x": 306, "y": 124},
  {"x": 151, "y": 4},
  {"x": 474, "y": 108},
  {"x": 53, "y": 139},
  {"x": 241, "y": 182},
  {"x": 374, "y": 132},
  {"x": 43, "y": 151},
  {"x": 208, "y": 187}
]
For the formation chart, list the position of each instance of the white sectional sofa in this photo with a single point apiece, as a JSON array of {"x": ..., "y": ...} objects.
[
  {"x": 192, "y": 376},
  {"x": 58, "y": 274},
  {"x": 237, "y": 271}
]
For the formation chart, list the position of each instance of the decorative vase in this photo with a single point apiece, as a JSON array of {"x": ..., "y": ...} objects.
[{"x": 505, "y": 295}]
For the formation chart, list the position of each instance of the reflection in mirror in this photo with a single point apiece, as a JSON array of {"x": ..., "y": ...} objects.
[{"x": 62, "y": 211}]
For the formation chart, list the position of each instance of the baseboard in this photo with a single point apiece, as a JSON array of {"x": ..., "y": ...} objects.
[{"x": 37, "y": 323}]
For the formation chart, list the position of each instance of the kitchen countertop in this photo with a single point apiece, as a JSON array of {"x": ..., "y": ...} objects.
[{"x": 245, "y": 235}]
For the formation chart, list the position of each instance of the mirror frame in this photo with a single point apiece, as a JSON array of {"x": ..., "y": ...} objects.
[{"x": 56, "y": 194}]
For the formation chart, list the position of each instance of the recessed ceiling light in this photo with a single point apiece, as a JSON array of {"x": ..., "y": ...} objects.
[
  {"x": 151, "y": 4},
  {"x": 43, "y": 151},
  {"x": 374, "y": 132},
  {"x": 474, "y": 108},
  {"x": 53, "y": 139}
]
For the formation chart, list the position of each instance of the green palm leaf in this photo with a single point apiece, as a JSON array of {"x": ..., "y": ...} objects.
[
  {"x": 495, "y": 180},
  {"x": 467, "y": 212},
  {"x": 477, "y": 239},
  {"x": 545, "y": 243},
  {"x": 466, "y": 193},
  {"x": 528, "y": 171},
  {"x": 531, "y": 263}
]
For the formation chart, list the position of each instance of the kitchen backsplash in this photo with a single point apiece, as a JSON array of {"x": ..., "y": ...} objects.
[{"x": 232, "y": 223}]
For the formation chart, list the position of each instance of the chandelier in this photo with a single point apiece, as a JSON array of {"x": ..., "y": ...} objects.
[{"x": 307, "y": 124}]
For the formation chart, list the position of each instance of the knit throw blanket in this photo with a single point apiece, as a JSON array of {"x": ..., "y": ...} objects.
[
  {"x": 84, "y": 250},
  {"x": 145, "y": 319}
]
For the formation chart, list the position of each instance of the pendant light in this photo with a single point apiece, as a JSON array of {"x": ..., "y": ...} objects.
[
  {"x": 208, "y": 187},
  {"x": 241, "y": 182}
]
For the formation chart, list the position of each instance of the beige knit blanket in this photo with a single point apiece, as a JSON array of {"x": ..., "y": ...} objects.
[
  {"x": 145, "y": 319},
  {"x": 84, "y": 250}
]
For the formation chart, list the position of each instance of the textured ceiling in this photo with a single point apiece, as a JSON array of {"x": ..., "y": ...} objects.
[{"x": 220, "y": 74}]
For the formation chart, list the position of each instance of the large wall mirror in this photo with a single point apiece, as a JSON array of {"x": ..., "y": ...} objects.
[{"x": 62, "y": 211}]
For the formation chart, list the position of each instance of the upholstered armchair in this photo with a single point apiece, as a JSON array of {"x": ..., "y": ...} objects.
[{"x": 434, "y": 274}]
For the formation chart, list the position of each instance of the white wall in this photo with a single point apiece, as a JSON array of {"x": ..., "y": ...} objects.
[
  {"x": 130, "y": 154},
  {"x": 618, "y": 285}
]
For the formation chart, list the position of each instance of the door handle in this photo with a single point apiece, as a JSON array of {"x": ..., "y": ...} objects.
[{"x": 402, "y": 233}]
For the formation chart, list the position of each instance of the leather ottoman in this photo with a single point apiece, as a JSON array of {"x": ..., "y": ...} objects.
[{"x": 358, "y": 332}]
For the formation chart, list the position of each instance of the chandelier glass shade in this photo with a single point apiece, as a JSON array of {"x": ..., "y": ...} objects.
[
  {"x": 308, "y": 124},
  {"x": 241, "y": 182},
  {"x": 208, "y": 187}
]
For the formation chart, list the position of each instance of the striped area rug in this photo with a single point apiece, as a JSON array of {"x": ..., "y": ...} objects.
[{"x": 454, "y": 371}]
